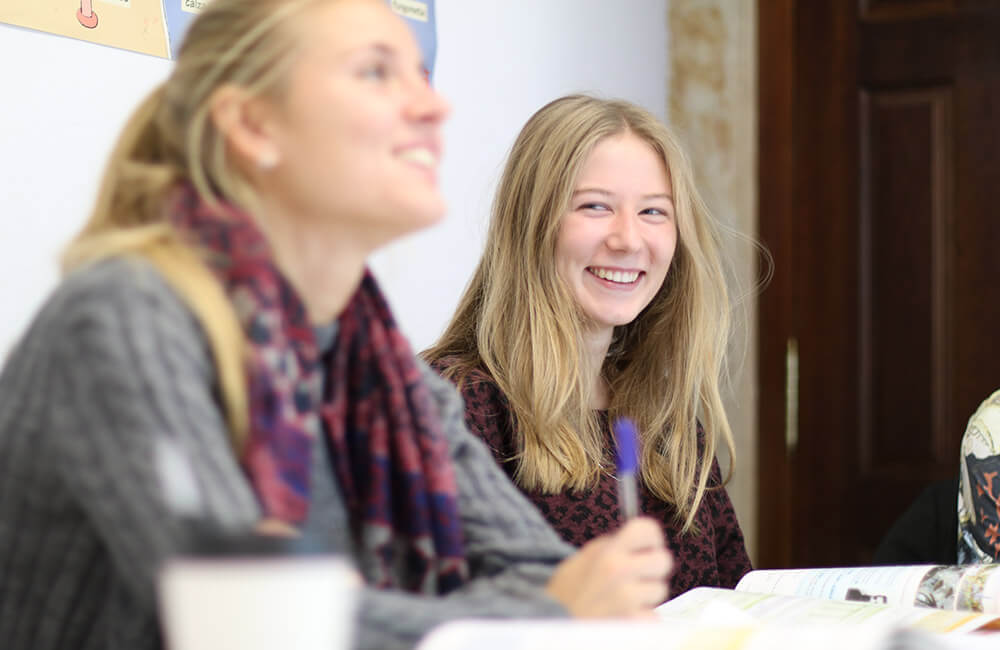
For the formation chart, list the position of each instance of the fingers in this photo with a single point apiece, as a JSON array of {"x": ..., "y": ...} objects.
[
  {"x": 642, "y": 539},
  {"x": 640, "y": 533},
  {"x": 275, "y": 528},
  {"x": 638, "y": 554},
  {"x": 645, "y": 615},
  {"x": 647, "y": 578},
  {"x": 623, "y": 574}
]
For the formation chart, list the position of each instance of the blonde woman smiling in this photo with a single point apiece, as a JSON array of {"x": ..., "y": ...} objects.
[{"x": 600, "y": 294}]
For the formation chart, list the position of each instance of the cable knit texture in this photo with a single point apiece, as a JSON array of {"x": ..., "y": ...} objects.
[{"x": 115, "y": 367}]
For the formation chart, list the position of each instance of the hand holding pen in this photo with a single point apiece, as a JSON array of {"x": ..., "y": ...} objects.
[
  {"x": 621, "y": 574},
  {"x": 627, "y": 466}
]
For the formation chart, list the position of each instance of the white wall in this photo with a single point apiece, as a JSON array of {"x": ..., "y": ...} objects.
[{"x": 63, "y": 101}]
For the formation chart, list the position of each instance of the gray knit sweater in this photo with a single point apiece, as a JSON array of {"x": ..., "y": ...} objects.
[{"x": 115, "y": 368}]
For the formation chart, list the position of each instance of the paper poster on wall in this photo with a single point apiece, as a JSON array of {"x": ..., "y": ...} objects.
[
  {"x": 129, "y": 24},
  {"x": 179, "y": 14},
  {"x": 157, "y": 27},
  {"x": 420, "y": 15}
]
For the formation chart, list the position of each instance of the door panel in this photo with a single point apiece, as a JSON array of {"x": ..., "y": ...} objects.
[{"x": 879, "y": 164}]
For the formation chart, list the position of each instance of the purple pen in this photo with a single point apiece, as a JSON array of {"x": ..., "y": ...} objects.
[{"x": 627, "y": 461}]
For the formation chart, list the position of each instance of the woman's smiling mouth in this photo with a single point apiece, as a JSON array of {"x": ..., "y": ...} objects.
[{"x": 614, "y": 275}]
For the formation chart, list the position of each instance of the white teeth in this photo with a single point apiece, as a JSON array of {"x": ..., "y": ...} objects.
[
  {"x": 621, "y": 277},
  {"x": 420, "y": 155}
]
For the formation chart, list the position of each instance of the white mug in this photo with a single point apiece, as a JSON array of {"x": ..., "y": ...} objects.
[{"x": 258, "y": 603}]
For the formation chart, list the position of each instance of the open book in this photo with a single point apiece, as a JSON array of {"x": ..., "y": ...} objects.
[
  {"x": 550, "y": 634},
  {"x": 931, "y": 597}
]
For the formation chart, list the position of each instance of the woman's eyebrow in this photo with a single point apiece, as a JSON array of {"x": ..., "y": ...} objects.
[
  {"x": 646, "y": 197},
  {"x": 381, "y": 48}
]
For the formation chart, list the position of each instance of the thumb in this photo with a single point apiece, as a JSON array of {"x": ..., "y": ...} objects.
[{"x": 639, "y": 534}]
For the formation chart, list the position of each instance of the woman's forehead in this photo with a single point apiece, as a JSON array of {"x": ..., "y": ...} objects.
[{"x": 346, "y": 26}]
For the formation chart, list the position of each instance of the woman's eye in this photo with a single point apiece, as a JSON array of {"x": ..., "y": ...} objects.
[
  {"x": 375, "y": 72},
  {"x": 656, "y": 214},
  {"x": 595, "y": 207}
]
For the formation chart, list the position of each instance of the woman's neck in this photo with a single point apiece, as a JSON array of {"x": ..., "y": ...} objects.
[
  {"x": 596, "y": 344},
  {"x": 324, "y": 264}
]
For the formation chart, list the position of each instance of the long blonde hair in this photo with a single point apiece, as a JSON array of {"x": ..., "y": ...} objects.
[
  {"x": 519, "y": 322},
  {"x": 171, "y": 138}
]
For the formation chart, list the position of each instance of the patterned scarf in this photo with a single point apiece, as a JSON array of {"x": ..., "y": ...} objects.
[{"x": 389, "y": 455}]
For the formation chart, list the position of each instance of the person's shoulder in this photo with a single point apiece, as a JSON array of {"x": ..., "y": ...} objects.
[
  {"x": 441, "y": 389},
  {"x": 450, "y": 407},
  {"x": 112, "y": 299},
  {"x": 989, "y": 405},
  {"x": 472, "y": 383},
  {"x": 486, "y": 409},
  {"x": 126, "y": 281},
  {"x": 456, "y": 370},
  {"x": 982, "y": 435},
  {"x": 715, "y": 484},
  {"x": 475, "y": 384},
  {"x": 988, "y": 412}
]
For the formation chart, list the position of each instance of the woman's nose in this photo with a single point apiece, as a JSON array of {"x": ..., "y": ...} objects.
[
  {"x": 623, "y": 233},
  {"x": 427, "y": 104}
]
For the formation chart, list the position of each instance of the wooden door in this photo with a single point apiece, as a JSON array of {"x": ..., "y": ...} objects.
[{"x": 879, "y": 176}]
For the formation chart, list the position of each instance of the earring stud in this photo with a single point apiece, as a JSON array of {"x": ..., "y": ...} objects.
[{"x": 267, "y": 160}]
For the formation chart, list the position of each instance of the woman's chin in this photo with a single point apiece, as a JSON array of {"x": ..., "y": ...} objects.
[
  {"x": 424, "y": 214},
  {"x": 402, "y": 224}
]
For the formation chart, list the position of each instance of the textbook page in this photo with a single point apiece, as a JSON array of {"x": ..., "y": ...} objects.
[
  {"x": 971, "y": 587},
  {"x": 772, "y": 608},
  {"x": 538, "y": 634}
]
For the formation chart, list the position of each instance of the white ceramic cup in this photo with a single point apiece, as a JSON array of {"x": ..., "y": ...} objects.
[{"x": 258, "y": 603}]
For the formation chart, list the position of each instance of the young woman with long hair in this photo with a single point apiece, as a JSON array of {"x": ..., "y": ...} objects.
[{"x": 600, "y": 294}]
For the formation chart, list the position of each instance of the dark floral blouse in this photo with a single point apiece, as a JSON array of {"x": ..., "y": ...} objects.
[{"x": 715, "y": 556}]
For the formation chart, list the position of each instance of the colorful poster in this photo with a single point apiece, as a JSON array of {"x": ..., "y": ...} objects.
[
  {"x": 157, "y": 27},
  {"x": 420, "y": 15},
  {"x": 179, "y": 14},
  {"x": 129, "y": 24}
]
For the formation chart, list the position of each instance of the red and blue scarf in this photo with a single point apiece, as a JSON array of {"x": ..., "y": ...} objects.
[{"x": 388, "y": 451}]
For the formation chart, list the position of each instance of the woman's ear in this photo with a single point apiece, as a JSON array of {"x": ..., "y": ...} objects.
[{"x": 246, "y": 124}]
